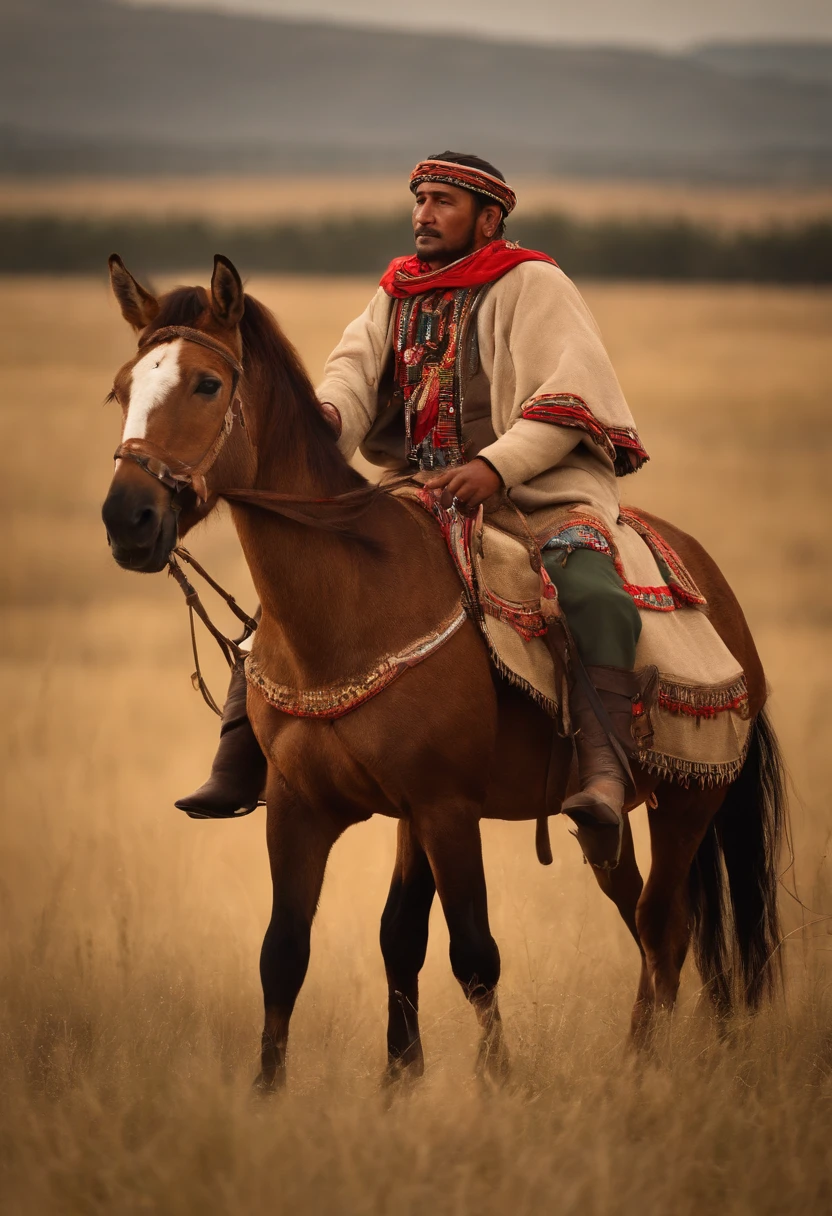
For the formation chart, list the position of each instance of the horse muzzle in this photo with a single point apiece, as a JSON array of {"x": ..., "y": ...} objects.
[{"x": 140, "y": 521}]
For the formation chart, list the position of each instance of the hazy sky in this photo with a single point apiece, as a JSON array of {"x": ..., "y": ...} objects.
[{"x": 666, "y": 23}]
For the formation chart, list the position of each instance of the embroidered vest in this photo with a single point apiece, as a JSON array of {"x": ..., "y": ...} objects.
[{"x": 434, "y": 397}]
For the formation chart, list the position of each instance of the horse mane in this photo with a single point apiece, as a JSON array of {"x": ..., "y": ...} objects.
[{"x": 290, "y": 419}]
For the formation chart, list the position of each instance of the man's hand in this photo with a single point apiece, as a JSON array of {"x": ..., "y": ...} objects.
[
  {"x": 332, "y": 415},
  {"x": 470, "y": 484}
]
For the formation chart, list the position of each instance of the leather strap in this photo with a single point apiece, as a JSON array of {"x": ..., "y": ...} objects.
[{"x": 169, "y": 332}]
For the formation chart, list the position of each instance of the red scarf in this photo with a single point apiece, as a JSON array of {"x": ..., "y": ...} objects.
[{"x": 410, "y": 276}]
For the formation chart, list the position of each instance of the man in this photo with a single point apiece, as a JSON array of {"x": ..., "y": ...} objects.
[{"x": 480, "y": 361}]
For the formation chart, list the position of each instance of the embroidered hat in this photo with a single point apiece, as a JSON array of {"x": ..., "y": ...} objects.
[{"x": 466, "y": 178}]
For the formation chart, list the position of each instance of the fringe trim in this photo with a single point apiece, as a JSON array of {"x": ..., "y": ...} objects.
[
  {"x": 685, "y": 772},
  {"x": 549, "y": 706},
  {"x": 701, "y": 701}
]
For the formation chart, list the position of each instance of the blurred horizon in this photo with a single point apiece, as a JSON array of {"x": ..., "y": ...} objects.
[{"x": 647, "y": 23}]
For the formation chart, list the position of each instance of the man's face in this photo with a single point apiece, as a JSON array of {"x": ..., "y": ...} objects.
[{"x": 448, "y": 225}]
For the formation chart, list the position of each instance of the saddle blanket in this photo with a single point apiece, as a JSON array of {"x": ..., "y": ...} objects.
[{"x": 699, "y": 715}]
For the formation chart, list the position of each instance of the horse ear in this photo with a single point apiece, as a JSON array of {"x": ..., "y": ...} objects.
[
  {"x": 138, "y": 307},
  {"x": 227, "y": 297}
]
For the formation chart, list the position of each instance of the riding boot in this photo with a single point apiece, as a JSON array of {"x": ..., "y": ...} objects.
[
  {"x": 238, "y": 773},
  {"x": 597, "y": 809}
]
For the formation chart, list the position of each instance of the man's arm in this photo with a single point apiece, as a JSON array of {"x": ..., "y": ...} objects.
[
  {"x": 353, "y": 370},
  {"x": 555, "y": 349},
  {"x": 561, "y": 367}
]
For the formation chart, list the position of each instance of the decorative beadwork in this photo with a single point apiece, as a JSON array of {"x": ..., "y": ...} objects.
[
  {"x": 428, "y": 372},
  {"x": 338, "y": 699},
  {"x": 623, "y": 446},
  {"x": 466, "y": 178}
]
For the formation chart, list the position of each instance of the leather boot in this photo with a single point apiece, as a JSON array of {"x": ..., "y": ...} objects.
[
  {"x": 238, "y": 773},
  {"x": 598, "y": 810}
]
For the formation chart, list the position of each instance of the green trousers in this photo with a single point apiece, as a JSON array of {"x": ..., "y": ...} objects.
[{"x": 602, "y": 617}]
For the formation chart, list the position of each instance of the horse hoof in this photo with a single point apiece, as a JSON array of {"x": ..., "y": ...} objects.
[
  {"x": 262, "y": 1087},
  {"x": 400, "y": 1074},
  {"x": 493, "y": 1067}
]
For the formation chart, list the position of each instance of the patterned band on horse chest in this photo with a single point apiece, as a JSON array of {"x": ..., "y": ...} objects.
[{"x": 338, "y": 699}]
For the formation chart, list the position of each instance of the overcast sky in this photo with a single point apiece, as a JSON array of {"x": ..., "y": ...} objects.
[{"x": 668, "y": 23}]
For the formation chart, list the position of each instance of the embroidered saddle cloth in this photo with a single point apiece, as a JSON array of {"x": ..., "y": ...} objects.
[{"x": 699, "y": 718}]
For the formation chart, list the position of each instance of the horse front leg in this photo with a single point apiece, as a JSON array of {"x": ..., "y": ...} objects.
[
  {"x": 450, "y": 836},
  {"x": 299, "y": 838},
  {"x": 404, "y": 943}
]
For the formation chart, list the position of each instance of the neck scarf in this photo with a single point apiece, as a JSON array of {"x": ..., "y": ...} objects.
[{"x": 410, "y": 276}]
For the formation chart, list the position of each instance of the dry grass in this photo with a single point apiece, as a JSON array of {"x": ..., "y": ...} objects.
[
  {"x": 130, "y": 1012},
  {"x": 240, "y": 199}
]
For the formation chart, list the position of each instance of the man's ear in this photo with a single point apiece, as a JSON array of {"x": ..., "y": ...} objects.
[
  {"x": 491, "y": 215},
  {"x": 227, "y": 297},
  {"x": 138, "y": 307}
]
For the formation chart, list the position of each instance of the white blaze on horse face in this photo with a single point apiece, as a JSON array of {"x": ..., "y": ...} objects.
[{"x": 155, "y": 374}]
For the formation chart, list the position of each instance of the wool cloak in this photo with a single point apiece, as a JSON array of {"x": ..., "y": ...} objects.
[{"x": 560, "y": 428}]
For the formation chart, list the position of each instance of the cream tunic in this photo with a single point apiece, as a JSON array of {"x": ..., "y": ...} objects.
[{"x": 537, "y": 340}]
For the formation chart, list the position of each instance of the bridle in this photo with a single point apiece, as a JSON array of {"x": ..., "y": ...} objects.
[
  {"x": 178, "y": 475},
  {"x": 174, "y": 473}
]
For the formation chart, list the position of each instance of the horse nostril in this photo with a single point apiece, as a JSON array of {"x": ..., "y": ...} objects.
[
  {"x": 145, "y": 518},
  {"x": 129, "y": 522}
]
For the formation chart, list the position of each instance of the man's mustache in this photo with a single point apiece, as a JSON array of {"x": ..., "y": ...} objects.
[{"x": 427, "y": 232}]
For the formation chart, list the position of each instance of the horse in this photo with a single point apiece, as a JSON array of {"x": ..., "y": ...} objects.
[{"x": 217, "y": 405}]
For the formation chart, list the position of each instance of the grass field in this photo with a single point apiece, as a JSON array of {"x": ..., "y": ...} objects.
[
  {"x": 248, "y": 199},
  {"x": 130, "y": 1007}
]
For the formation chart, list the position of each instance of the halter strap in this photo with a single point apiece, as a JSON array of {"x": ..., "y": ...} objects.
[
  {"x": 174, "y": 473},
  {"x": 169, "y": 332}
]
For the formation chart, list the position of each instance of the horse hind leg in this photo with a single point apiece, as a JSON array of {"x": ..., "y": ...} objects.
[
  {"x": 451, "y": 840},
  {"x": 624, "y": 886},
  {"x": 404, "y": 941},
  {"x": 678, "y": 824}
]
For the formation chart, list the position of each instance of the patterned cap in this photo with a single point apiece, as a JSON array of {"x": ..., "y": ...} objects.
[{"x": 465, "y": 178}]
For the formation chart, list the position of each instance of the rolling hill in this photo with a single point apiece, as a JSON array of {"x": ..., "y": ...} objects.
[{"x": 94, "y": 85}]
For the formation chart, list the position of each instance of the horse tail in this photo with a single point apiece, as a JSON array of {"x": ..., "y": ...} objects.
[{"x": 734, "y": 880}]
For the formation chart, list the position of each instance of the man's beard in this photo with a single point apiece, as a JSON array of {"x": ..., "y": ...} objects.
[{"x": 450, "y": 253}]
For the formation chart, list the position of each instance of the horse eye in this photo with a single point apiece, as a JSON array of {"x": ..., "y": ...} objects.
[{"x": 209, "y": 386}]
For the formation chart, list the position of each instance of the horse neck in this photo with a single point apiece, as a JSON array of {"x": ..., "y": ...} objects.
[
  {"x": 312, "y": 584},
  {"x": 332, "y": 605}
]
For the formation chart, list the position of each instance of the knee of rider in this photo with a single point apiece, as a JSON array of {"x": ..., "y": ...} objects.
[{"x": 629, "y": 615}]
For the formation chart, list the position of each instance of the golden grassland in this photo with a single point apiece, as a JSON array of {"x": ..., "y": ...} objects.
[
  {"x": 130, "y": 1007},
  {"x": 256, "y": 199}
]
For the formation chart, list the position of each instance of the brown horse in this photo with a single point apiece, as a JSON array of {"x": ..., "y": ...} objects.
[{"x": 445, "y": 744}]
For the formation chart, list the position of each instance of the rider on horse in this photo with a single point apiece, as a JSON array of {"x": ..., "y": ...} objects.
[{"x": 479, "y": 362}]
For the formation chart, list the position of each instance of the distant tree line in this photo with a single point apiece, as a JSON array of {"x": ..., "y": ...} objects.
[{"x": 670, "y": 249}]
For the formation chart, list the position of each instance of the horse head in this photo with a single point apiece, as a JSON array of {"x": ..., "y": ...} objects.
[{"x": 179, "y": 402}]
